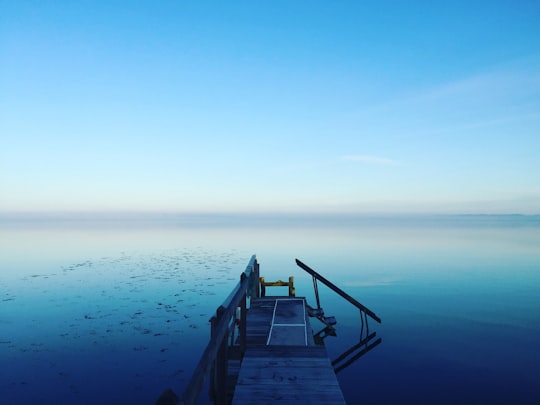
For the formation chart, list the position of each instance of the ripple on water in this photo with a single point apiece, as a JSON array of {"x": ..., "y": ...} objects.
[{"x": 128, "y": 310}]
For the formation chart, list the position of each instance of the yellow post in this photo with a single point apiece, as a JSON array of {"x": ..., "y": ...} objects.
[
  {"x": 292, "y": 291},
  {"x": 279, "y": 283}
]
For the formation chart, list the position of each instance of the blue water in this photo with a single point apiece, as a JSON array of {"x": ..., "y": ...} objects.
[{"x": 108, "y": 312}]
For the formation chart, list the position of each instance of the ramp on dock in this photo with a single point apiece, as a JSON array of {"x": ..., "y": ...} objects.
[{"x": 281, "y": 362}]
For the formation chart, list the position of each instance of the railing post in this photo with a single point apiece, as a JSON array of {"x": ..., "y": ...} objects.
[
  {"x": 242, "y": 333},
  {"x": 263, "y": 287},
  {"x": 256, "y": 279},
  {"x": 218, "y": 382},
  {"x": 292, "y": 291},
  {"x": 212, "y": 388}
]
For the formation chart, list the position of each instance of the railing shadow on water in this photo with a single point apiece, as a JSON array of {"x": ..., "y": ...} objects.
[{"x": 353, "y": 353}]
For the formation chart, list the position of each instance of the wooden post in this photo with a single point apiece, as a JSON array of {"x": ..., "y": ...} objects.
[
  {"x": 263, "y": 287},
  {"x": 221, "y": 365},
  {"x": 212, "y": 388},
  {"x": 292, "y": 291},
  {"x": 256, "y": 278},
  {"x": 218, "y": 382},
  {"x": 253, "y": 283},
  {"x": 242, "y": 334}
]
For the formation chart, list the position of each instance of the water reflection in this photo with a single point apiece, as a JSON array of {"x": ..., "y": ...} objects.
[
  {"x": 356, "y": 351},
  {"x": 323, "y": 334}
]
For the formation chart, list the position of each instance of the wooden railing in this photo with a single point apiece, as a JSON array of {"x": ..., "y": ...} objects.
[{"x": 214, "y": 358}]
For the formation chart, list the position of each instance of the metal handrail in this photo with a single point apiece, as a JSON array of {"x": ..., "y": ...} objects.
[{"x": 338, "y": 290}]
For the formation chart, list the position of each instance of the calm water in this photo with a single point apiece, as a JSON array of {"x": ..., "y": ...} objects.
[{"x": 116, "y": 312}]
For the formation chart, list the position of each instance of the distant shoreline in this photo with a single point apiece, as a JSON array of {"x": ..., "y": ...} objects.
[{"x": 175, "y": 220}]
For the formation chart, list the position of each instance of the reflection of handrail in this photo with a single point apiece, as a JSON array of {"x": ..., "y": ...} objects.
[
  {"x": 319, "y": 337},
  {"x": 338, "y": 290},
  {"x": 366, "y": 349},
  {"x": 353, "y": 348},
  {"x": 215, "y": 354}
]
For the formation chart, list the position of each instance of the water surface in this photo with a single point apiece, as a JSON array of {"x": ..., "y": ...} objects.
[{"x": 118, "y": 311}]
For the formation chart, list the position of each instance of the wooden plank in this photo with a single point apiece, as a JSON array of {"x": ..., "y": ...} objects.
[
  {"x": 288, "y": 371},
  {"x": 271, "y": 362},
  {"x": 332, "y": 391},
  {"x": 279, "y": 389},
  {"x": 288, "y": 335},
  {"x": 289, "y": 311},
  {"x": 288, "y": 325},
  {"x": 306, "y": 377},
  {"x": 288, "y": 351},
  {"x": 286, "y": 393}
]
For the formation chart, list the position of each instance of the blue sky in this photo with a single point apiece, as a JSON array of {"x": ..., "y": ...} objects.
[{"x": 299, "y": 106}]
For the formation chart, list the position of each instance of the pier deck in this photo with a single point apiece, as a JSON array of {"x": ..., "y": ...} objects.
[
  {"x": 274, "y": 357},
  {"x": 281, "y": 362}
]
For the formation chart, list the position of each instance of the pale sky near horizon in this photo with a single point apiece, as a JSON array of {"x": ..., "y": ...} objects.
[{"x": 254, "y": 106}]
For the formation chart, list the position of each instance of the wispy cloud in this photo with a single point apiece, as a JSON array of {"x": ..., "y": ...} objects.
[
  {"x": 373, "y": 160},
  {"x": 499, "y": 95}
]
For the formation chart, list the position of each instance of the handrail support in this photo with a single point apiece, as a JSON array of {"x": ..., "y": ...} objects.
[{"x": 338, "y": 290}]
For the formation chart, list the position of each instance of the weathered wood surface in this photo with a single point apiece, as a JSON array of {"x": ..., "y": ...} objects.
[{"x": 276, "y": 368}]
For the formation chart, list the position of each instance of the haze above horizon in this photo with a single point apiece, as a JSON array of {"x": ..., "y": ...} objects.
[{"x": 257, "y": 107}]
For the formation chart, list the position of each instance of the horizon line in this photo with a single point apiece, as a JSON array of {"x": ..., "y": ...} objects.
[{"x": 192, "y": 213}]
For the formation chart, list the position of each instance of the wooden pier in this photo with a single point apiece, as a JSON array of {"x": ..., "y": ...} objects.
[
  {"x": 266, "y": 352},
  {"x": 282, "y": 363}
]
